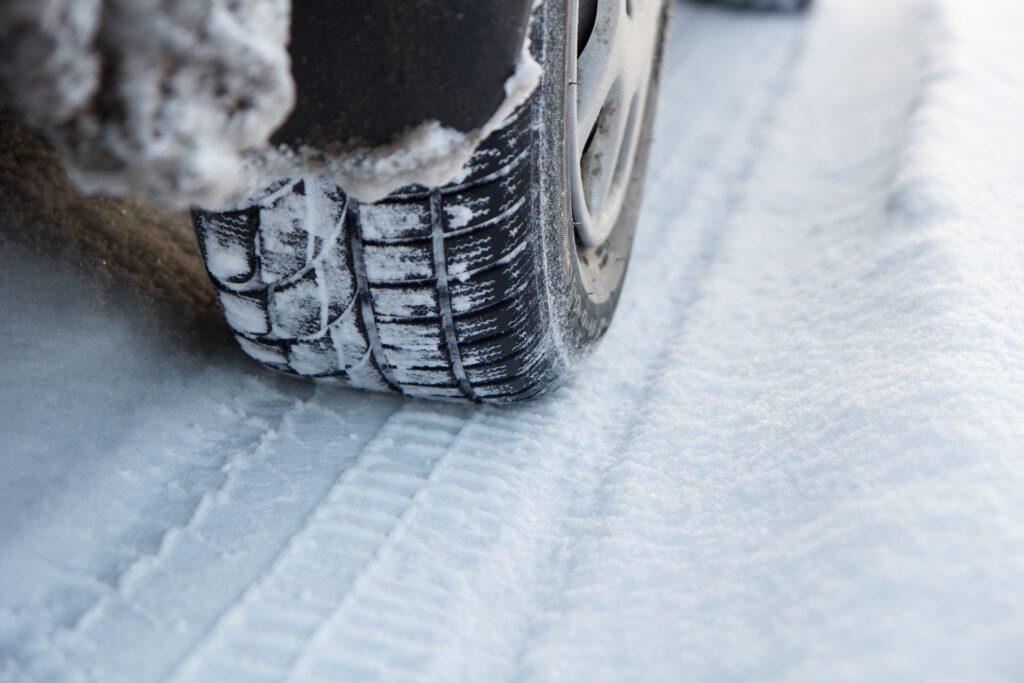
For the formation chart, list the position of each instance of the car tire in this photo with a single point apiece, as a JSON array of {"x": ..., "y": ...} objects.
[{"x": 479, "y": 290}]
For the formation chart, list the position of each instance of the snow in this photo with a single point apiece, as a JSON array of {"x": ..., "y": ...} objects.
[
  {"x": 243, "y": 313},
  {"x": 797, "y": 455},
  {"x": 384, "y": 221},
  {"x": 153, "y": 98},
  {"x": 225, "y": 262},
  {"x": 459, "y": 216}
]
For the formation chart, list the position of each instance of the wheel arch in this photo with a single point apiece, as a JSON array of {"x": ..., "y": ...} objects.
[{"x": 367, "y": 70}]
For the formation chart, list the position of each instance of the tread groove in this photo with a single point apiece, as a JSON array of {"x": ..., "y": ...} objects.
[
  {"x": 366, "y": 318},
  {"x": 444, "y": 299}
]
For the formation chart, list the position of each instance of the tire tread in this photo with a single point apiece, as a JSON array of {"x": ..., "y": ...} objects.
[{"x": 432, "y": 293}]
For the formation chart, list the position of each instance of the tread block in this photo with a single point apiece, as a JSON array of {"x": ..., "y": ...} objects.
[
  {"x": 485, "y": 248},
  {"x": 501, "y": 346},
  {"x": 395, "y": 220},
  {"x": 512, "y": 366},
  {"x": 413, "y": 301},
  {"x": 492, "y": 287},
  {"x": 348, "y": 339},
  {"x": 228, "y": 242},
  {"x": 413, "y": 344},
  {"x": 283, "y": 241},
  {"x": 424, "y": 376},
  {"x": 264, "y": 352},
  {"x": 398, "y": 263},
  {"x": 364, "y": 374},
  {"x": 326, "y": 206},
  {"x": 513, "y": 317},
  {"x": 314, "y": 357},
  {"x": 337, "y": 278},
  {"x": 534, "y": 379},
  {"x": 420, "y": 358},
  {"x": 486, "y": 205},
  {"x": 544, "y": 385},
  {"x": 296, "y": 309},
  {"x": 245, "y": 313}
]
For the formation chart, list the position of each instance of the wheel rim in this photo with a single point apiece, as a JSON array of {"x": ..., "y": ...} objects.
[{"x": 607, "y": 95}]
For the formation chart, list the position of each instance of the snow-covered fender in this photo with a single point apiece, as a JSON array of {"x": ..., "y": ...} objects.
[{"x": 367, "y": 70}]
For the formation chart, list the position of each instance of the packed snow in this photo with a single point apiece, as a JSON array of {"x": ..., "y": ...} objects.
[{"x": 798, "y": 455}]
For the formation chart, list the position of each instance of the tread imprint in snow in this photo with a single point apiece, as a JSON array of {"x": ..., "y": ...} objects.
[{"x": 430, "y": 292}]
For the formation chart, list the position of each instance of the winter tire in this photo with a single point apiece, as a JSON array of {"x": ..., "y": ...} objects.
[{"x": 491, "y": 288}]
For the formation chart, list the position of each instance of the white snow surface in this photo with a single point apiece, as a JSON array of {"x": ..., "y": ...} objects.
[{"x": 798, "y": 455}]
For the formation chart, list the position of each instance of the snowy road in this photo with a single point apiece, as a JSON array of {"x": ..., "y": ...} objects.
[{"x": 798, "y": 455}]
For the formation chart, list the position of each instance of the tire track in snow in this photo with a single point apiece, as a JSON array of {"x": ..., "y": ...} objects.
[
  {"x": 695, "y": 507},
  {"x": 254, "y": 426},
  {"x": 341, "y": 540},
  {"x": 398, "y": 623},
  {"x": 269, "y": 487},
  {"x": 773, "y": 55}
]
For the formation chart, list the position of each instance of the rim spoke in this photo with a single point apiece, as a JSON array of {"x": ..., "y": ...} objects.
[
  {"x": 602, "y": 158},
  {"x": 599, "y": 66}
]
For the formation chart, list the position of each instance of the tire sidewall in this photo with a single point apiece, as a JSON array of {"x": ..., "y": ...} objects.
[{"x": 576, "y": 318}]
